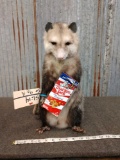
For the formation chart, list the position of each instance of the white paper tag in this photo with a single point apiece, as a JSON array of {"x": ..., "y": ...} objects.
[{"x": 25, "y": 98}]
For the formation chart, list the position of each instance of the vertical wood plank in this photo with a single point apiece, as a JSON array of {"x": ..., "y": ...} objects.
[
  {"x": 114, "y": 83},
  {"x": 107, "y": 56}
]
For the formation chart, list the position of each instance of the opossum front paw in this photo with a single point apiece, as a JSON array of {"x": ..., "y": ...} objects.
[
  {"x": 43, "y": 129},
  {"x": 42, "y": 100},
  {"x": 78, "y": 129}
]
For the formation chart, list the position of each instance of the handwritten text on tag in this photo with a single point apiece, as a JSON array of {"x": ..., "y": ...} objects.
[{"x": 25, "y": 98}]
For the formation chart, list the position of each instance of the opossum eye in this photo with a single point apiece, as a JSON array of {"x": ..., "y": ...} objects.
[
  {"x": 53, "y": 43},
  {"x": 67, "y": 43}
]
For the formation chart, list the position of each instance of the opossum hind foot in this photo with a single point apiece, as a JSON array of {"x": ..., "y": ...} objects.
[
  {"x": 43, "y": 129},
  {"x": 78, "y": 129}
]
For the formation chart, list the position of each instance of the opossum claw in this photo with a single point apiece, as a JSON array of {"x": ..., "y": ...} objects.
[
  {"x": 42, "y": 129},
  {"x": 78, "y": 129},
  {"x": 42, "y": 100}
]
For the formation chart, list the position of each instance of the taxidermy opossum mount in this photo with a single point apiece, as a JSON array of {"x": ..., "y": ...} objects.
[{"x": 61, "y": 55}]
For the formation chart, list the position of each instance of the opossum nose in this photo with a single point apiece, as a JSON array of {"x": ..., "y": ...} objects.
[
  {"x": 60, "y": 58},
  {"x": 61, "y": 54}
]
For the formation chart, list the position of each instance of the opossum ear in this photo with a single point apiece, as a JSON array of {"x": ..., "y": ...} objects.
[
  {"x": 73, "y": 27},
  {"x": 48, "y": 26}
]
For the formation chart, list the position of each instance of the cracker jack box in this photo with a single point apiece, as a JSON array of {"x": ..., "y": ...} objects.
[{"x": 60, "y": 94}]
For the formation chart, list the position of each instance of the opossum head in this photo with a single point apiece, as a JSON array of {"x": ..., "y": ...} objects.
[{"x": 61, "y": 40}]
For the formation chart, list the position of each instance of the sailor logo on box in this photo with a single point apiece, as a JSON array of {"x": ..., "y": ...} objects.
[{"x": 60, "y": 94}]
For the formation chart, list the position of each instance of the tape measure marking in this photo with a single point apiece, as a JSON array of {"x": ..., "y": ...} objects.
[{"x": 68, "y": 139}]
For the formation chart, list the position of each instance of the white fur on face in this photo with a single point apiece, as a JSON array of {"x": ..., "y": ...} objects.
[
  {"x": 61, "y": 54},
  {"x": 73, "y": 49},
  {"x": 61, "y": 35}
]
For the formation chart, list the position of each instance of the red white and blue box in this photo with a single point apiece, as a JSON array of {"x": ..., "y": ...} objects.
[{"x": 60, "y": 94}]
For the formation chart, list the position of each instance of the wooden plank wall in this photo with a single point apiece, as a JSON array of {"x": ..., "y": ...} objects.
[{"x": 21, "y": 47}]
